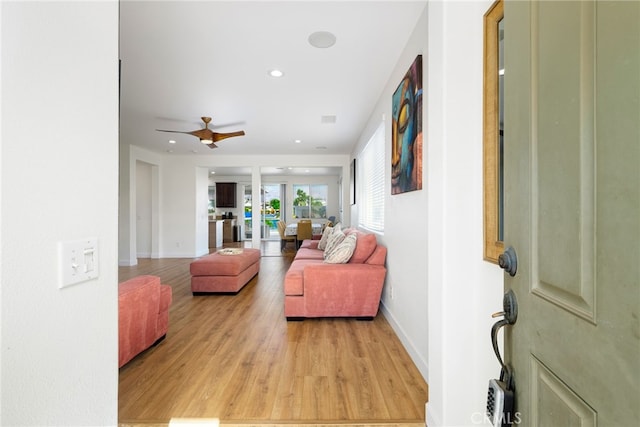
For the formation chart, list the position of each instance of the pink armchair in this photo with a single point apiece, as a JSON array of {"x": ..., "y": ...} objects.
[{"x": 143, "y": 315}]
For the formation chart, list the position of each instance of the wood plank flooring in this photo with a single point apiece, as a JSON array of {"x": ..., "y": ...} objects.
[{"x": 236, "y": 358}]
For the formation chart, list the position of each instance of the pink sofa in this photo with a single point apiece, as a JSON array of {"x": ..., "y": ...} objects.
[
  {"x": 314, "y": 288},
  {"x": 143, "y": 315}
]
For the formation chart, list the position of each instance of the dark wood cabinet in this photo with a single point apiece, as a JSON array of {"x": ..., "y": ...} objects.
[{"x": 225, "y": 194}]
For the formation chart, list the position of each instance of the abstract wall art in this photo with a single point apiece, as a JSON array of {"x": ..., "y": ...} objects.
[{"x": 406, "y": 132}]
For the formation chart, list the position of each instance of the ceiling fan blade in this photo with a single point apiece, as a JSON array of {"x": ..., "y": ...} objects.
[
  {"x": 181, "y": 121},
  {"x": 202, "y": 133},
  {"x": 172, "y": 131},
  {"x": 220, "y": 136},
  {"x": 226, "y": 125}
]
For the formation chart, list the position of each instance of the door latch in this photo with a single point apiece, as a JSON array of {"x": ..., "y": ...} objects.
[
  {"x": 509, "y": 307},
  {"x": 510, "y": 313}
]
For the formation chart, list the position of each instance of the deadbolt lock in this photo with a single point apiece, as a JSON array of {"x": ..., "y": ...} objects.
[{"x": 508, "y": 261}]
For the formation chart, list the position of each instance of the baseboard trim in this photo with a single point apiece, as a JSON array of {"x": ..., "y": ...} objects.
[{"x": 420, "y": 363}]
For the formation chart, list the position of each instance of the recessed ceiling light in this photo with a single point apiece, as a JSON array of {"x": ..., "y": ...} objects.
[
  {"x": 298, "y": 141},
  {"x": 322, "y": 39},
  {"x": 276, "y": 73},
  {"x": 213, "y": 172},
  {"x": 172, "y": 141},
  {"x": 321, "y": 147}
]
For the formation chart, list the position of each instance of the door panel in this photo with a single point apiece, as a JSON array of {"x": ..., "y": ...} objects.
[
  {"x": 563, "y": 48},
  {"x": 557, "y": 405},
  {"x": 572, "y": 203}
]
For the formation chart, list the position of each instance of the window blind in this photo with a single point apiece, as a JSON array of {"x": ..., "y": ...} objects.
[{"x": 370, "y": 195}]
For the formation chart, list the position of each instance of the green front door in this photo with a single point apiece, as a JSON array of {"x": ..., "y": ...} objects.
[{"x": 572, "y": 210}]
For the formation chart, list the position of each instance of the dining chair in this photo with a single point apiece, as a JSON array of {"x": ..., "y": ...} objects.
[
  {"x": 283, "y": 238},
  {"x": 324, "y": 226},
  {"x": 305, "y": 231}
]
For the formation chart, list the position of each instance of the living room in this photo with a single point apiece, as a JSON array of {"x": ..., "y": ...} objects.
[{"x": 423, "y": 269}]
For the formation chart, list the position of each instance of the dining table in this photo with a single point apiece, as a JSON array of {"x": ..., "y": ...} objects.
[{"x": 292, "y": 228}]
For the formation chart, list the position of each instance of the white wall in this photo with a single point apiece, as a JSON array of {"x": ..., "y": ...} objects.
[
  {"x": 59, "y": 77},
  {"x": 130, "y": 159},
  {"x": 179, "y": 208},
  {"x": 126, "y": 207},
  {"x": 405, "y": 230},
  {"x": 202, "y": 210},
  {"x": 464, "y": 290},
  {"x": 439, "y": 293},
  {"x": 144, "y": 209}
]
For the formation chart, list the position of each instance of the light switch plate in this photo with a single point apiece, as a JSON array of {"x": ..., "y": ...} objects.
[{"x": 78, "y": 261}]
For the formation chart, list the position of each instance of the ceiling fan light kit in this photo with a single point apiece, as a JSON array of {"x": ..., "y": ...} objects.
[{"x": 206, "y": 135}]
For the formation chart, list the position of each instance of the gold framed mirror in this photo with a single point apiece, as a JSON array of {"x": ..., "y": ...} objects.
[{"x": 493, "y": 110}]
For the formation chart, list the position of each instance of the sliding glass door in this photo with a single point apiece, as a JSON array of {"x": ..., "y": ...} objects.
[{"x": 271, "y": 202}]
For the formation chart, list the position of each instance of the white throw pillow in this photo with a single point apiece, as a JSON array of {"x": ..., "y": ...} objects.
[
  {"x": 334, "y": 240},
  {"x": 325, "y": 238},
  {"x": 342, "y": 253}
]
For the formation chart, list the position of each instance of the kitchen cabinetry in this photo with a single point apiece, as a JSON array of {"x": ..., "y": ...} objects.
[
  {"x": 227, "y": 230},
  {"x": 225, "y": 194}
]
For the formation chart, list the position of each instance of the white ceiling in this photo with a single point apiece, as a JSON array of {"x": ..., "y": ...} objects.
[{"x": 183, "y": 60}]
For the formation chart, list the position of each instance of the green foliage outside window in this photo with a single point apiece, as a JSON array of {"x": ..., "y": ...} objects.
[{"x": 311, "y": 203}]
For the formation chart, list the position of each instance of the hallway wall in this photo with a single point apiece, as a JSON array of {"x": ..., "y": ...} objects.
[
  {"x": 59, "y": 83},
  {"x": 439, "y": 294},
  {"x": 464, "y": 290}
]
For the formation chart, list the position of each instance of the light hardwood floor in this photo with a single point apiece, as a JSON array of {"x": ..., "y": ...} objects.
[{"x": 236, "y": 358}]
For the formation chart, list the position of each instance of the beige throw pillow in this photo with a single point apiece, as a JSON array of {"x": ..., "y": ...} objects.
[
  {"x": 342, "y": 253},
  {"x": 325, "y": 238},
  {"x": 334, "y": 240}
]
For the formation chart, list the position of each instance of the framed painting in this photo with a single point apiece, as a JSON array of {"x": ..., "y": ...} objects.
[
  {"x": 406, "y": 131},
  {"x": 352, "y": 183}
]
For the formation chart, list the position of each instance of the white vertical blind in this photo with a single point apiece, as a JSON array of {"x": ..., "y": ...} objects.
[{"x": 370, "y": 172}]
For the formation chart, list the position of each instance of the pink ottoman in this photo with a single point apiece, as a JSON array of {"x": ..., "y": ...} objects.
[{"x": 227, "y": 271}]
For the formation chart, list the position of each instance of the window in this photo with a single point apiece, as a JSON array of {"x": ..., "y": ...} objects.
[
  {"x": 310, "y": 200},
  {"x": 370, "y": 200}
]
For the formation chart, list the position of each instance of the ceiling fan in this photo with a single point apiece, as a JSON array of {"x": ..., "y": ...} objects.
[{"x": 206, "y": 135}]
